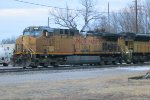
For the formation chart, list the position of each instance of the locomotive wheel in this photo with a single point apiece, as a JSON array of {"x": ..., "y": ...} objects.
[
  {"x": 114, "y": 62},
  {"x": 128, "y": 62},
  {"x": 34, "y": 66},
  {"x": 24, "y": 67},
  {"x": 54, "y": 64},
  {"x": 106, "y": 62},
  {"x": 142, "y": 62},
  {"x": 92, "y": 64},
  {"x": 102, "y": 63},
  {"x": 135, "y": 62},
  {"x": 5, "y": 64},
  {"x": 45, "y": 66}
]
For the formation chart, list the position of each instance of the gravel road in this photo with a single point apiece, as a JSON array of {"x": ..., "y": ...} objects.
[{"x": 76, "y": 84}]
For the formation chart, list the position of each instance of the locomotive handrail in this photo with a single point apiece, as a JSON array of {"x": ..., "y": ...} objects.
[
  {"x": 29, "y": 49},
  {"x": 122, "y": 49},
  {"x": 127, "y": 49}
]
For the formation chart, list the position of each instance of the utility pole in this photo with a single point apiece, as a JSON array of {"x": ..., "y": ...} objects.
[
  {"x": 136, "y": 15},
  {"x": 48, "y": 21},
  {"x": 108, "y": 19},
  {"x": 146, "y": 22}
]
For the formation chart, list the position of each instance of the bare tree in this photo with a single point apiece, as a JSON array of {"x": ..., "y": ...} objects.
[
  {"x": 101, "y": 24},
  {"x": 68, "y": 17},
  {"x": 114, "y": 23},
  {"x": 65, "y": 17},
  {"x": 147, "y": 16},
  {"x": 126, "y": 20},
  {"x": 88, "y": 12}
]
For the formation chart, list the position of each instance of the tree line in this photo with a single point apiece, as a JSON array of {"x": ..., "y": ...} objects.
[
  {"x": 122, "y": 21},
  {"x": 11, "y": 40}
]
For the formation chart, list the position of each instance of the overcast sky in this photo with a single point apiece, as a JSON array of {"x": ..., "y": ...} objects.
[{"x": 15, "y": 16}]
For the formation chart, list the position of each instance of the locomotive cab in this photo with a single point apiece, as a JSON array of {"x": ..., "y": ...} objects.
[{"x": 38, "y": 31}]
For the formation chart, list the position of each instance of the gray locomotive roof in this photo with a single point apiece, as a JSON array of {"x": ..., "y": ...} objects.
[
  {"x": 47, "y": 28},
  {"x": 42, "y": 28}
]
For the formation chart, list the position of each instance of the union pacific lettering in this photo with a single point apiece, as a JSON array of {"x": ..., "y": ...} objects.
[{"x": 87, "y": 41}]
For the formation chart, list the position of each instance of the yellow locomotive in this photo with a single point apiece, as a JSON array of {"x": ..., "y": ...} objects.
[{"x": 45, "y": 46}]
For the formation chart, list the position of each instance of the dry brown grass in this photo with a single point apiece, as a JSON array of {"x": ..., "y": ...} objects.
[{"x": 110, "y": 87}]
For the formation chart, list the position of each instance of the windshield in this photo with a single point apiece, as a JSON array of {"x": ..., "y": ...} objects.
[{"x": 32, "y": 31}]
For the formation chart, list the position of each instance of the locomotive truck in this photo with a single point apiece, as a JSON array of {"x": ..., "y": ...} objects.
[{"x": 45, "y": 46}]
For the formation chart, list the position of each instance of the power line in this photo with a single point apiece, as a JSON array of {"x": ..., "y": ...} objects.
[{"x": 43, "y": 5}]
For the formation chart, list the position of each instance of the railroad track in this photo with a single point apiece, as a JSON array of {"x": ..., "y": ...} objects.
[{"x": 13, "y": 69}]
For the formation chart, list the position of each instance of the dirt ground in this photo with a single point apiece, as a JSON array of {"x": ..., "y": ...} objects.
[{"x": 109, "y": 87}]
